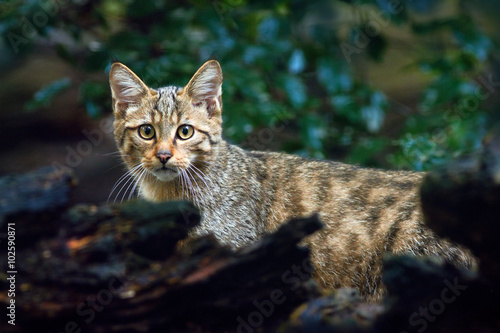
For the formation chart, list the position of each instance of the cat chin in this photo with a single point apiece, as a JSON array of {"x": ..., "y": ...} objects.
[{"x": 165, "y": 175}]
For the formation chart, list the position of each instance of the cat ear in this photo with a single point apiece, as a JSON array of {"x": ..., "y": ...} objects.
[
  {"x": 206, "y": 87},
  {"x": 126, "y": 87}
]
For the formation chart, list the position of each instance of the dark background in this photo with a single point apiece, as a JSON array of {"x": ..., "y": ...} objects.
[{"x": 393, "y": 84}]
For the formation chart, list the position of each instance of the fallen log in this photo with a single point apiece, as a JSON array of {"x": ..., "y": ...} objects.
[
  {"x": 116, "y": 268},
  {"x": 44, "y": 189},
  {"x": 34, "y": 201}
]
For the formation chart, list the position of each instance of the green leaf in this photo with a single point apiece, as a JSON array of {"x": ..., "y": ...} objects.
[
  {"x": 295, "y": 90},
  {"x": 333, "y": 78},
  {"x": 63, "y": 52},
  {"x": 473, "y": 42},
  {"x": 93, "y": 110},
  {"x": 297, "y": 62},
  {"x": 373, "y": 114},
  {"x": 313, "y": 130},
  {"x": 373, "y": 117},
  {"x": 44, "y": 96},
  {"x": 268, "y": 30},
  {"x": 92, "y": 93},
  {"x": 93, "y": 90},
  {"x": 367, "y": 151}
]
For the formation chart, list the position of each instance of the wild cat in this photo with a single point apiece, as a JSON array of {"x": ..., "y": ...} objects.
[{"x": 171, "y": 141}]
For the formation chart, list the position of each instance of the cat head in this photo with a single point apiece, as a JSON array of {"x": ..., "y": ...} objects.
[{"x": 165, "y": 130}]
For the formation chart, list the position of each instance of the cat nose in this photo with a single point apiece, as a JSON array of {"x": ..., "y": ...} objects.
[{"x": 163, "y": 155}]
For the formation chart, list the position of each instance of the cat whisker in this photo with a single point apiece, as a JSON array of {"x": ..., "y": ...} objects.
[
  {"x": 201, "y": 194},
  {"x": 190, "y": 187},
  {"x": 141, "y": 175},
  {"x": 113, "y": 167},
  {"x": 126, "y": 185},
  {"x": 134, "y": 187},
  {"x": 183, "y": 185},
  {"x": 196, "y": 190},
  {"x": 186, "y": 184},
  {"x": 122, "y": 178},
  {"x": 114, "y": 153},
  {"x": 203, "y": 177},
  {"x": 142, "y": 182},
  {"x": 197, "y": 194},
  {"x": 128, "y": 182},
  {"x": 185, "y": 189},
  {"x": 179, "y": 186},
  {"x": 131, "y": 183}
]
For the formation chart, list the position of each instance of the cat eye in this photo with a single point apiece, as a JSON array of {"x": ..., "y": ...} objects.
[
  {"x": 146, "y": 132},
  {"x": 184, "y": 132}
]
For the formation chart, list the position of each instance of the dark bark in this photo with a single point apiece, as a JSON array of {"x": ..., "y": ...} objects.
[{"x": 119, "y": 268}]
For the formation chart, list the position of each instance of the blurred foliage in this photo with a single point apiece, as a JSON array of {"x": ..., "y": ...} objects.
[
  {"x": 284, "y": 62},
  {"x": 44, "y": 96}
]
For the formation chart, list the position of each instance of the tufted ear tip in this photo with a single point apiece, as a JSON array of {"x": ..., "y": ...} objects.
[
  {"x": 126, "y": 87},
  {"x": 206, "y": 86},
  {"x": 206, "y": 82}
]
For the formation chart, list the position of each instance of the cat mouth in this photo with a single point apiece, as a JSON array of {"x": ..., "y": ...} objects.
[
  {"x": 166, "y": 173},
  {"x": 166, "y": 169}
]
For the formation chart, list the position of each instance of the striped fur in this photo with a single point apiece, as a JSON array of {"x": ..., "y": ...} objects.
[{"x": 243, "y": 195}]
